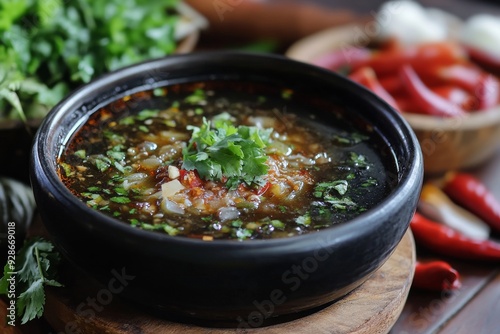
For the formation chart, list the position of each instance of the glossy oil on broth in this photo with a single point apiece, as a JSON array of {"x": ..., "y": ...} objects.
[{"x": 225, "y": 161}]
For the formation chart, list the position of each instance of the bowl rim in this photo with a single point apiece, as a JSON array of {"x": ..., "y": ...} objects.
[
  {"x": 409, "y": 177},
  {"x": 469, "y": 121}
]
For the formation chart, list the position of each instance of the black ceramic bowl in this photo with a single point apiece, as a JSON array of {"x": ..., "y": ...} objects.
[{"x": 228, "y": 280}]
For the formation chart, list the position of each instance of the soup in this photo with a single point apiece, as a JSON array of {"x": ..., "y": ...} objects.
[{"x": 215, "y": 160}]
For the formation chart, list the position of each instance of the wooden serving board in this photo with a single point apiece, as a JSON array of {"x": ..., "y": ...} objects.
[{"x": 372, "y": 308}]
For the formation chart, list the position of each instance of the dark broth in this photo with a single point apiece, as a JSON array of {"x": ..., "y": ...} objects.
[{"x": 127, "y": 162}]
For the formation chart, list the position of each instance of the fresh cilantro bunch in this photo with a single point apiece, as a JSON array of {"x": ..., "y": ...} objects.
[
  {"x": 36, "y": 265},
  {"x": 225, "y": 151},
  {"x": 50, "y": 47}
]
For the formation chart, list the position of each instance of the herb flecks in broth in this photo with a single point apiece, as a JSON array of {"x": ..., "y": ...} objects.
[{"x": 208, "y": 164}]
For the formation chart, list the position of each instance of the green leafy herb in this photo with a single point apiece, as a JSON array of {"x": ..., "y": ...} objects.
[
  {"x": 68, "y": 171},
  {"x": 36, "y": 264},
  {"x": 304, "y": 220},
  {"x": 371, "y": 182},
  {"x": 359, "y": 160},
  {"x": 340, "y": 203},
  {"x": 325, "y": 188},
  {"x": 81, "y": 154},
  {"x": 236, "y": 153},
  {"x": 147, "y": 114},
  {"x": 120, "y": 199},
  {"x": 48, "y": 48},
  {"x": 349, "y": 138},
  {"x": 196, "y": 97},
  {"x": 243, "y": 233},
  {"x": 170, "y": 230},
  {"x": 102, "y": 163}
]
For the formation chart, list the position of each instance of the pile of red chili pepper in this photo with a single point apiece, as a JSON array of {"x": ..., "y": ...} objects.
[
  {"x": 470, "y": 193},
  {"x": 433, "y": 78}
]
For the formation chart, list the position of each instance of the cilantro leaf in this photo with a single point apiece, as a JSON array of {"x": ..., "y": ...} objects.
[
  {"x": 36, "y": 265},
  {"x": 51, "y": 47},
  {"x": 323, "y": 189},
  {"x": 224, "y": 150}
]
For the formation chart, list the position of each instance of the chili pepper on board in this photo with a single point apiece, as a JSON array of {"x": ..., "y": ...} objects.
[
  {"x": 447, "y": 241},
  {"x": 436, "y": 205},
  {"x": 472, "y": 194},
  {"x": 366, "y": 76},
  {"x": 435, "y": 276},
  {"x": 426, "y": 100}
]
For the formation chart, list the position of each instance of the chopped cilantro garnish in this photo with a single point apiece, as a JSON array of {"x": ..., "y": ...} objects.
[
  {"x": 81, "y": 154},
  {"x": 146, "y": 114},
  {"x": 349, "y": 138},
  {"x": 102, "y": 163},
  {"x": 325, "y": 188},
  {"x": 129, "y": 120},
  {"x": 67, "y": 169},
  {"x": 143, "y": 128},
  {"x": 159, "y": 92},
  {"x": 236, "y": 223},
  {"x": 116, "y": 155},
  {"x": 369, "y": 183},
  {"x": 196, "y": 97},
  {"x": 277, "y": 224},
  {"x": 120, "y": 199},
  {"x": 93, "y": 189},
  {"x": 340, "y": 203},
  {"x": 358, "y": 160},
  {"x": 120, "y": 191},
  {"x": 119, "y": 166},
  {"x": 304, "y": 220},
  {"x": 243, "y": 233},
  {"x": 114, "y": 138},
  {"x": 236, "y": 153}
]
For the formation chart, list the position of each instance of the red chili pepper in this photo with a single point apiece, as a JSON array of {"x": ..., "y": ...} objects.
[
  {"x": 406, "y": 104},
  {"x": 263, "y": 189},
  {"x": 345, "y": 58},
  {"x": 488, "y": 92},
  {"x": 190, "y": 178},
  {"x": 466, "y": 76},
  {"x": 392, "y": 84},
  {"x": 435, "y": 276},
  {"x": 484, "y": 87},
  {"x": 456, "y": 96},
  {"x": 446, "y": 241},
  {"x": 366, "y": 76},
  {"x": 473, "y": 195},
  {"x": 425, "y": 100},
  {"x": 483, "y": 58},
  {"x": 418, "y": 56}
]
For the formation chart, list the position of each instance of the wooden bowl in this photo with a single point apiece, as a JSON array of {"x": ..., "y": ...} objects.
[{"x": 446, "y": 143}]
